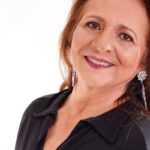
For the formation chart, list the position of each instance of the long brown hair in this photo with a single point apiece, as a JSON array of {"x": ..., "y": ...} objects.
[{"x": 133, "y": 92}]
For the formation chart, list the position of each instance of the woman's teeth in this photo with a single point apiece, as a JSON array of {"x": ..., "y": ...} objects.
[{"x": 101, "y": 63}]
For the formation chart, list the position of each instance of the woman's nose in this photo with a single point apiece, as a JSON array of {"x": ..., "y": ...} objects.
[{"x": 103, "y": 41}]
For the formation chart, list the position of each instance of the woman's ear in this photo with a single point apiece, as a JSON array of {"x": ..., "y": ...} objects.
[{"x": 142, "y": 67}]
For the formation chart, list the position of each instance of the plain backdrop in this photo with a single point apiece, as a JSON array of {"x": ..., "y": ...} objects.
[{"x": 29, "y": 58}]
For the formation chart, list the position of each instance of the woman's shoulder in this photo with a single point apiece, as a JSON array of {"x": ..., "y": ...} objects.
[
  {"x": 33, "y": 116},
  {"x": 39, "y": 102},
  {"x": 143, "y": 126},
  {"x": 44, "y": 102},
  {"x": 138, "y": 135}
]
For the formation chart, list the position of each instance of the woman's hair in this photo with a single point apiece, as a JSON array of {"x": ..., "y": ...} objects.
[{"x": 134, "y": 89}]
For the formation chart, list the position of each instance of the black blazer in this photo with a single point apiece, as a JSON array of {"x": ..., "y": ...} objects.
[{"x": 113, "y": 130}]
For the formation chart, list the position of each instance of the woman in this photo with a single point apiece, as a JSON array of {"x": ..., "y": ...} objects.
[{"x": 104, "y": 101}]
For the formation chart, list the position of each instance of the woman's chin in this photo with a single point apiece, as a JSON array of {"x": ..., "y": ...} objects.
[{"x": 91, "y": 84}]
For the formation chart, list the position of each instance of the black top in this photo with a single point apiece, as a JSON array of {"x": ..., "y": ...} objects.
[{"x": 113, "y": 130}]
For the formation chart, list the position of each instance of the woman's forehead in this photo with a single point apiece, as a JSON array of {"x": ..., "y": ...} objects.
[{"x": 116, "y": 9}]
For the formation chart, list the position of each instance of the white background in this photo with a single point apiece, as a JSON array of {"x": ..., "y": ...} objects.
[{"x": 29, "y": 66}]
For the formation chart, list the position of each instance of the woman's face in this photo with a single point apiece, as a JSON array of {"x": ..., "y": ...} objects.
[{"x": 114, "y": 31}]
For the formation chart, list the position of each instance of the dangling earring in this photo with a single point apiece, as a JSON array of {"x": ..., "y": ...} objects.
[
  {"x": 73, "y": 77},
  {"x": 141, "y": 77}
]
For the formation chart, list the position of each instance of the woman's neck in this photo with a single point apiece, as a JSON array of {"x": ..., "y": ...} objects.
[{"x": 91, "y": 102}]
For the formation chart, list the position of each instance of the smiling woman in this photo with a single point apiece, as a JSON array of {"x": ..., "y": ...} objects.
[{"x": 104, "y": 101}]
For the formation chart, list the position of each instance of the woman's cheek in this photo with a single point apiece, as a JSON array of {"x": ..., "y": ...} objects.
[
  {"x": 130, "y": 57},
  {"x": 80, "y": 38}
]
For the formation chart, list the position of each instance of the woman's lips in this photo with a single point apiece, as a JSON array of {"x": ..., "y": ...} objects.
[
  {"x": 97, "y": 64},
  {"x": 98, "y": 59}
]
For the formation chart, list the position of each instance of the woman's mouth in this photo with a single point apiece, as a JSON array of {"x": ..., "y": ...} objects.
[{"x": 97, "y": 63}]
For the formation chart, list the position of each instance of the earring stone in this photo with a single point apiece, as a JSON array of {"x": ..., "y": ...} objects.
[{"x": 142, "y": 76}]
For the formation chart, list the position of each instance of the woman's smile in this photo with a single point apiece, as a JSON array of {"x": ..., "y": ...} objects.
[{"x": 97, "y": 63}]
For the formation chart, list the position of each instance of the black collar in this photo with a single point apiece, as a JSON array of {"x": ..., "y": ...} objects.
[
  {"x": 107, "y": 125},
  {"x": 51, "y": 103}
]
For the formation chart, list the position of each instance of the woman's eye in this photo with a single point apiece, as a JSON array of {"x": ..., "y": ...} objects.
[
  {"x": 126, "y": 37},
  {"x": 93, "y": 25},
  {"x": 96, "y": 26}
]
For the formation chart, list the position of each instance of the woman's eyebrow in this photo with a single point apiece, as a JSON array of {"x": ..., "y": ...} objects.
[{"x": 120, "y": 25}]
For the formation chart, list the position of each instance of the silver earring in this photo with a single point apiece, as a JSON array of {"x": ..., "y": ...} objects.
[
  {"x": 141, "y": 77},
  {"x": 73, "y": 74}
]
